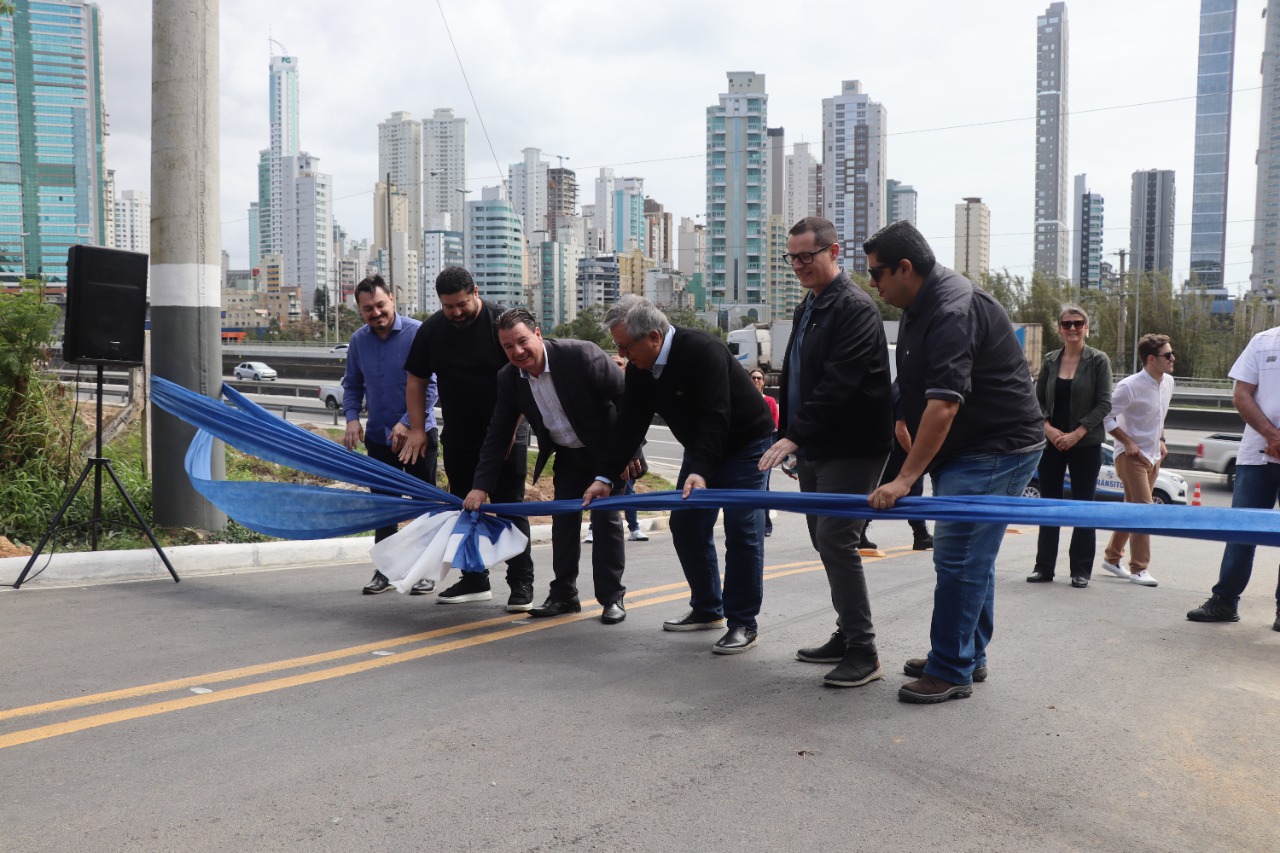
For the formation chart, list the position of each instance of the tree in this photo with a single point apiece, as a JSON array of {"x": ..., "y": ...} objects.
[
  {"x": 586, "y": 327},
  {"x": 26, "y": 324}
]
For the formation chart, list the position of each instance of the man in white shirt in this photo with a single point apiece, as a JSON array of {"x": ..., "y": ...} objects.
[
  {"x": 1257, "y": 398},
  {"x": 1139, "y": 405}
]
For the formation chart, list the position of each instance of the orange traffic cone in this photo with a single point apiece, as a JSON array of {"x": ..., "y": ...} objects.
[{"x": 1195, "y": 496}]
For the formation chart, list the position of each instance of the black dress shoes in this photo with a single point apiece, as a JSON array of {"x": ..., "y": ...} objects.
[
  {"x": 555, "y": 607},
  {"x": 1039, "y": 577},
  {"x": 694, "y": 621},
  {"x": 1079, "y": 581},
  {"x": 423, "y": 587},
  {"x": 613, "y": 613},
  {"x": 378, "y": 584},
  {"x": 735, "y": 641}
]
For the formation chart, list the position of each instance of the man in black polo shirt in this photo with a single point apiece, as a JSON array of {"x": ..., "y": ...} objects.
[
  {"x": 837, "y": 420},
  {"x": 459, "y": 344},
  {"x": 969, "y": 401},
  {"x": 695, "y": 384}
]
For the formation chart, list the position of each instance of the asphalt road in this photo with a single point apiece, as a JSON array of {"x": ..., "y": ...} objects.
[{"x": 283, "y": 710}]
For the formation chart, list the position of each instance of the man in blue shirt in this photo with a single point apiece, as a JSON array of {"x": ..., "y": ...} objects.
[{"x": 375, "y": 379}]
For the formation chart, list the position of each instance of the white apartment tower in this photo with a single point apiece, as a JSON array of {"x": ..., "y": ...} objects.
[
  {"x": 133, "y": 221},
  {"x": 285, "y": 112},
  {"x": 602, "y": 211},
  {"x": 400, "y": 156},
  {"x": 904, "y": 202},
  {"x": 1266, "y": 217},
  {"x": 307, "y": 220},
  {"x": 736, "y": 193},
  {"x": 973, "y": 238},
  {"x": 854, "y": 148},
  {"x": 444, "y": 169},
  {"x": 528, "y": 182},
  {"x": 1053, "y": 238},
  {"x": 801, "y": 184}
]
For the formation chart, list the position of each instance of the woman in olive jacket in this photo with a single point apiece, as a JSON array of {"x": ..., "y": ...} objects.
[{"x": 1074, "y": 390}]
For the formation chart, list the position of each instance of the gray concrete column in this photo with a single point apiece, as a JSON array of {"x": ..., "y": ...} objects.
[{"x": 186, "y": 242}]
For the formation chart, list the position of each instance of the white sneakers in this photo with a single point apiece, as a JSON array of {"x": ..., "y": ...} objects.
[
  {"x": 1118, "y": 569},
  {"x": 637, "y": 535},
  {"x": 1143, "y": 578}
]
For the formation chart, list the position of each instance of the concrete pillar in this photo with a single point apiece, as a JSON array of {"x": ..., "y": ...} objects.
[{"x": 186, "y": 242}]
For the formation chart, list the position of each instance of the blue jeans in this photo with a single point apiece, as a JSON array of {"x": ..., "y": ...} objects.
[
  {"x": 693, "y": 534},
  {"x": 1257, "y": 487},
  {"x": 633, "y": 519},
  {"x": 964, "y": 556}
]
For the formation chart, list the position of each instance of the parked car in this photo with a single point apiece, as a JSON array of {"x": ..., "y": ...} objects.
[
  {"x": 340, "y": 349},
  {"x": 331, "y": 394},
  {"x": 1218, "y": 453},
  {"x": 1169, "y": 488},
  {"x": 255, "y": 370}
]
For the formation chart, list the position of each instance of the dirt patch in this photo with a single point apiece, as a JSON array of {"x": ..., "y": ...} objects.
[{"x": 8, "y": 549}]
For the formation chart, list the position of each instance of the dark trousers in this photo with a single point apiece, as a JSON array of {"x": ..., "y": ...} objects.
[
  {"x": 574, "y": 472},
  {"x": 836, "y": 541},
  {"x": 1083, "y": 463},
  {"x": 424, "y": 469},
  {"x": 460, "y": 461}
]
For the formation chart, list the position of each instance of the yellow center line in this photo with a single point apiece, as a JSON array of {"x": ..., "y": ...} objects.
[{"x": 125, "y": 714}]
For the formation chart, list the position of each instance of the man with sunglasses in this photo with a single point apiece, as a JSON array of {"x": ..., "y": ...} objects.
[
  {"x": 692, "y": 380},
  {"x": 1139, "y": 404},
  {"x": 837, "y": 418},
  {"x": 969, "y": 402}
]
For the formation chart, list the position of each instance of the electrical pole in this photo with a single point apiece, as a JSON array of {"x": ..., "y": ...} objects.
[
  {"x": 1121, "y": 324},
  {"x": 186, "y": 237}
]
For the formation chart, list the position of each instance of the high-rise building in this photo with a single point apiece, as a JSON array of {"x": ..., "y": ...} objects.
[
  {"x": 1053, "y": 237},
  {"x": 444, "y": 151},
  {"x": 53, "y": 174},
  {"x": 691, "y": 256},
  {"x": 285, "y": 110},
  {"x": 556, "y": 297},
  {"x": 801, "y": 185},
  {"x": 736, "y": 172},
  {"x": 1151, "y": 222},
  {"x": 973, "y": 238},
  {"x": 658, "y": 234},
  {"x": 400, "y": 157},
  {"x": 109, "y": 220},
  {"x": 307, "y": 220},
  {"x": 440, "y": 249},
  {"x": 255, "y": 235},
  {"x": 784, "y": 288},
  {"x": 1213, "y": 141},
  {"x": 903, "y": 201},
  {"x": 854, "y": 149},
  {"x": 602, "y": 210},
  {"x": 1086, "y": 236},
  {"x": 1266, "y": 216},
  {"x": 495, "y": 247},
  {"x": 389, "y": 204},
  {"x": 562, "y": 199},
  {"x": 599, "y": 281},
  {"x": 528, "y": 182},
  {"x": 133, "y": 221},
  {"x": 629, "y": 230},
  {"x": 776, "y": 170}
]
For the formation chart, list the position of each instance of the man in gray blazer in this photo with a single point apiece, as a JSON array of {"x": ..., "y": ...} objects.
[{"x": 569, "y": 392}]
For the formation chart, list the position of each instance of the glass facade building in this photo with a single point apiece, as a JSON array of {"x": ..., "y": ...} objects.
[
  {"x": 1213, "y": 141},
  {"x": 53, "y": 176},
  {"x": 736, "y": 203}
]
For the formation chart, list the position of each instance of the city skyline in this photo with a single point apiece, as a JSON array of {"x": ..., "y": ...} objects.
[{"x": 946, "y": 147}]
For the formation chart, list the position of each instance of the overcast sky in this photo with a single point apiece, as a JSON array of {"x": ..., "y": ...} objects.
[{"x": 627, "y": 85}]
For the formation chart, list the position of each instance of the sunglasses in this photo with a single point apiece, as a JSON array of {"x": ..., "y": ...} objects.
[
  {"x": 1169, "y": 356},
  {"x": 877, "y": 271},
  {"x": 1073, "y": 324}
]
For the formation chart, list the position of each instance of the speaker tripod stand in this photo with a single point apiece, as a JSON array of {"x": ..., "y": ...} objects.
[{"x": 97, "y": 464}]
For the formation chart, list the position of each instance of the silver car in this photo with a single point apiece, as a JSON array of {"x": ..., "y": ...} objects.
[{"x": 254, "y": 370}]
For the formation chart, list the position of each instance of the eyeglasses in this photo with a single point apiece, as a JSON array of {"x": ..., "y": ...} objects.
[
  {"x": 1166, "y": 355},
  {"x": 877, "y": 271},
  {"x": 1073, "y": 324},
  {"x": 625, "y": 349},
  {"x": 805, "y": 258},
  {"x": 757, "y": 378}
]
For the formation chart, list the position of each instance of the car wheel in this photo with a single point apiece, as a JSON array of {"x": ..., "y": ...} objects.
[
  {"x": 1032, "y": 490},
  {"x": 1231, "y": 474},
  {"x": 257, "y": 378},
  {"x": 330, "y": 403},
  {"x": 1160, "y": 497}
]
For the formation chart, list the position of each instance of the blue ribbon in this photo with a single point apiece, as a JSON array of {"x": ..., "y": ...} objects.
[{"x": 312, "y": 512}]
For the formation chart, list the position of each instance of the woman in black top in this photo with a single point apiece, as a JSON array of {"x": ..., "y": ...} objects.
[{"x": 1074, "y": 391}]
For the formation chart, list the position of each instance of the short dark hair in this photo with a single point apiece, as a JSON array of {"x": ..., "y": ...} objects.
[
  {"x": 1150, "y": 345},
  {"x": 900, "y": 241},
  {"x": 371, "y": 283},
  {"x": 454, "y": 280},
  {"x": 513, "y": 317},
  {"x": 824, "y": 233}
]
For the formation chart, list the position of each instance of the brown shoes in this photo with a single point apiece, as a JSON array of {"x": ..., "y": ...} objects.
[{"x": 928, "y": 690}]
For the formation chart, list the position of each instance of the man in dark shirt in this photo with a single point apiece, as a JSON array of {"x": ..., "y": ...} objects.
[
  {"x": 375, "y": 379},
  {"x": 968, "y": 399},
  {"x": 837, "y": 420},
  {"x": 459, "y": 344},
  {"x": 694, "y": 383}
]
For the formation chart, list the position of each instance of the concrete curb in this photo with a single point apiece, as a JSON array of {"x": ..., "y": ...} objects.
[{"x": 69, "y": 569}]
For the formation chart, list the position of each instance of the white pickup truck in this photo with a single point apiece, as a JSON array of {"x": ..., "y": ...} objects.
[
  {"x": 331, "y": 395},
  {"x": 1218, "y": 453}
]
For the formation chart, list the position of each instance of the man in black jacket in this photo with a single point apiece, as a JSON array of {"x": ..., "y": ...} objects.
[
  {"x": 694, "y": 383},
  {"x": 837, "y": 418},
  {"x": 569, "y": 392}
]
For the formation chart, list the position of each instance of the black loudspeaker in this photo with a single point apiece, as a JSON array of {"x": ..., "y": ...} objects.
[{"x": 106, "y": 306}]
